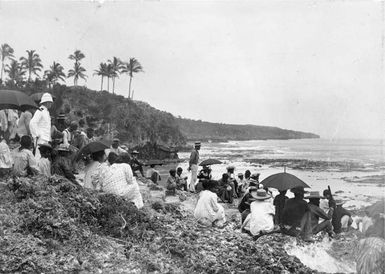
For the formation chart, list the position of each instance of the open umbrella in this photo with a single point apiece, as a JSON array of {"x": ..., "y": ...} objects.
[
  {"x": 283, "y": 181},
  {"x": 13, "y": 99},
  {"x": 37, "y": 97},
  {"x": 90, "y": 148},
  {"x": 210, "y": 162}
]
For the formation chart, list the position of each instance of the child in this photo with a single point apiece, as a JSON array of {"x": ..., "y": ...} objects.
[{"x": 44, "y": 163}]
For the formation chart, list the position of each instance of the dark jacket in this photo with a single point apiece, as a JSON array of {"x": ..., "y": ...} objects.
[{"x": 294, "y": 211}]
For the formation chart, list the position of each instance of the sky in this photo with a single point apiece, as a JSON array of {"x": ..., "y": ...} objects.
[{"x": 313, "y": 66}]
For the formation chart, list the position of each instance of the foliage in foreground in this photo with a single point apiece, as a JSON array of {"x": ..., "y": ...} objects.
[{"x": 49, "y": 225}]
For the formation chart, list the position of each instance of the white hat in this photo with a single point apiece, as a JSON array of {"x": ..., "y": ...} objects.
[{"x": 46, "y": 98}]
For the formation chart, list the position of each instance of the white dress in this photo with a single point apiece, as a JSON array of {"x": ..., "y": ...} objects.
[
  {"x": 208, "y": 207},
  {"x": 261, "y": 217}
]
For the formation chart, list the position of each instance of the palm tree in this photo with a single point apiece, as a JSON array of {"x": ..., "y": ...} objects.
[
  {"x": 102, "y": 71},
  {"x": 32, "y": 63},
  {"x": 15, "y": 72},
  {"x": 117, "y": 67},
  {"x": 6, "y": 53},
  {"x": 133, "y": 66},
  {"x": 110, "y": 73},
  {"x": 77, "y": 72},
  {"x": 54, "y": 74},
  {"x": 77, "y": 56}
]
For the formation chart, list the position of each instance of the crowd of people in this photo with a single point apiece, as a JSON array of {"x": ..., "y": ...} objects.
[{"x": 260, "y": 213}]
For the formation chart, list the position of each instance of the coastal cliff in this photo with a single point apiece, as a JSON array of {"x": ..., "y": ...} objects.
[{"x": 137, "y": 123}]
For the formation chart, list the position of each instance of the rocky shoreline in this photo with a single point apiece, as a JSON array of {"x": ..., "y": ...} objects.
[{"x": 50, "y": 225}]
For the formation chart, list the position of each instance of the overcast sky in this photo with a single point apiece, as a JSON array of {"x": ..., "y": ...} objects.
[{"x": 315, "y": 66}]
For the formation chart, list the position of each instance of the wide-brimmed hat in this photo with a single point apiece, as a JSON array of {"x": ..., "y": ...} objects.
[
  {"x": 314, "y": 195},
  {"x": 46, "y": 98},
  {"x": 339, "y": 202},
  {"x": 197, "y": 143},
  {"x": 260, "y": 194},
  {"x": 48, "y": 146},
  {"x": 63, "y": 147},
  {"x": 115, "y": 140}
]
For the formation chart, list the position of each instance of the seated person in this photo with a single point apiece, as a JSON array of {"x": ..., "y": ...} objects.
[
  {"x": 244, "y": 205},
  {"x": 117, "y": 178},
  {"x": 261, "y": 218},
  {"x": 341, "y": 219},
  {"x": 5, "y": 157},
  {"x": 232, "y": 180},
  {"x": 97, "y": 158},
  {"x": 316, "y": 213},
  {"x": 62, "y": 164},
  {"x": 135, "y": 164},
  {"x": 226, "y": 189},
  {"x": 279, "y": 203},
  {"x": 153, "y": 174},
  {"x": 24, "y": 163},
  {"x": 207, "y": 209},
  {"x": 294, "y": 211},
  {"x": 243, "y": 184},
  {"x": 204, "y": 174},
  {"x": 181, "y": 181},
  {"x": 171, "y": 183},
  {"x": 44, "y": 163}
]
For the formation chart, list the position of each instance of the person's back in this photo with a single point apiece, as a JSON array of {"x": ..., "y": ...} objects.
[
  {"x": 62, "y": 166},
  {"x": 294, "y": 210},
  {"x": 338, "y": 214},
  {"x": 24, "y": 162},
  {"x": 279, "y": 203}
]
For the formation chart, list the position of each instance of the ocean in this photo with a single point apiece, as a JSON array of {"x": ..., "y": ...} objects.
[{"x": 354, "y": 168}]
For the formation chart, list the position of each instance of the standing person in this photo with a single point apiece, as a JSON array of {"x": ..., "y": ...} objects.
[
  {"x": 279, "y": 203},
  {"x": 40, "y": 124},
  {"x": 3, "y": 122},
  {"x": 24, "y": 161},
  {"x": 5, "y": 157},
  {"x": 69, "y": 134},
  {"x": 23, "y": 124},
  {"x": 207, "y": 209},
  {"x": 181, "y": 181},
  {"x": 13, "y": 116},
  {"x": 136, "y": 164},
  {"x": 193, "y": 165}
]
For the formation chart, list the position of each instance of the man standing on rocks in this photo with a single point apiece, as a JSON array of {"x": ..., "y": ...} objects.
[
  {"x": 193, "y": 165},
  {"x": 40, "y": 124}
]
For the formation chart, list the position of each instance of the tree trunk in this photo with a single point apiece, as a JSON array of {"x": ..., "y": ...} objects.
[
  {"x": 29, "y": 76},
  {"x": 2, "y": 69},
  {"x": 101, "y": 86},
  {"x": 113, "y": 85},
  {"x": 129, "y": 88},
  {"x": 108, "y": 84}
]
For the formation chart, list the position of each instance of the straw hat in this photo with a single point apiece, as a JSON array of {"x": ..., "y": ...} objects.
[
  {"x": 46, "y": 98},
  {"x": 197, "y": 144},
  {"x": 314, "y": 195},
  {"x": 62, "y": 147},
  {"x": 260, "y": 194},
  {"x": 339, "y": 202}
]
